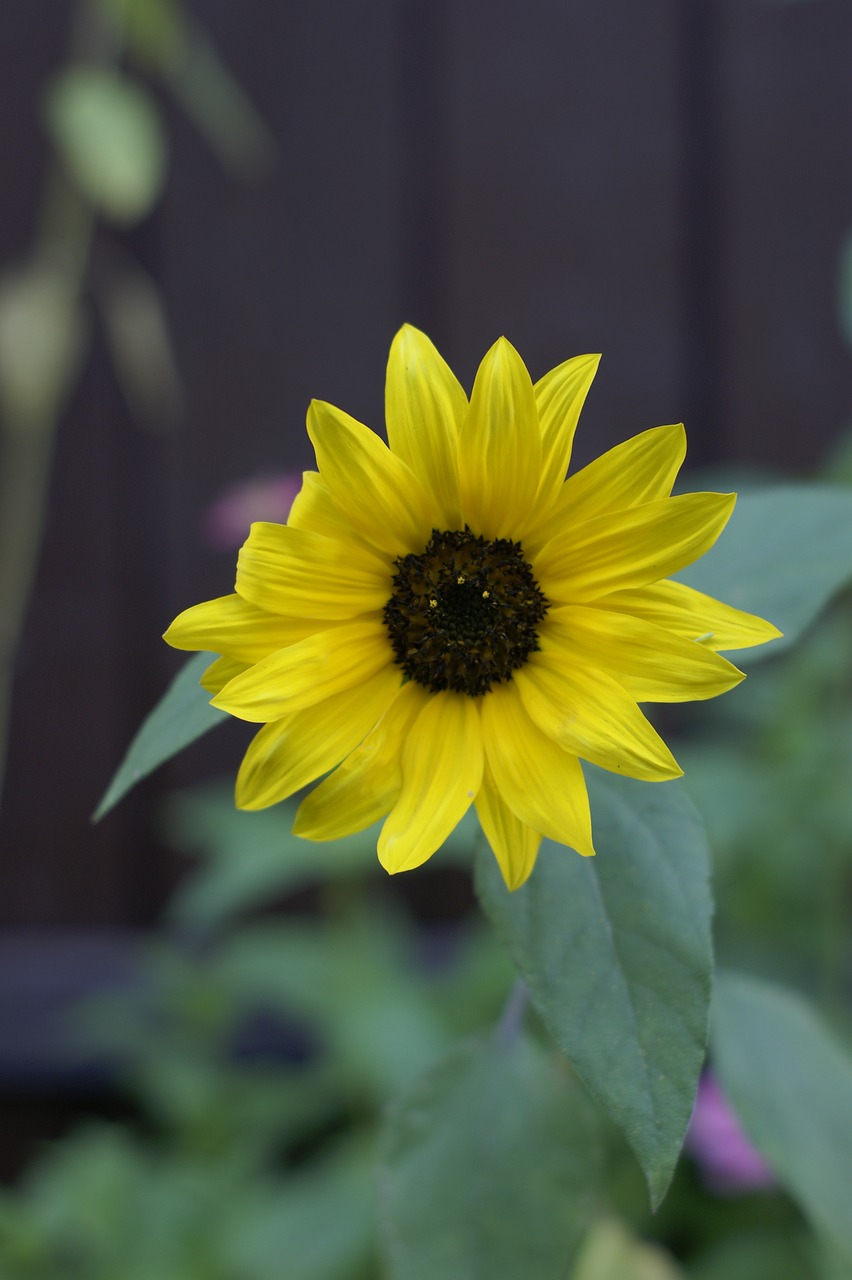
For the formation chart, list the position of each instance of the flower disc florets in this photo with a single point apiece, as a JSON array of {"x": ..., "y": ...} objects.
[{"x": 464, "y": 614}]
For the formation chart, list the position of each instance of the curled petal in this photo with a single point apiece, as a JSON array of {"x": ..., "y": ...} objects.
[
  {"x": 425, "y": 407},
  {"x": 441, "y": 775},
  {"x": 690, "y": 613},
  {"x": 590, "y": 715},
  {"x": 637, "y": 471},
  {"x": 368, "y": 782},
  {"x": 289, "y": 753},
  {"x": 236, "y": 629},
  {"x": 541, "y": 783},
  {"x": 292, "y": 571},
  {"x": 513, "y": 843},
  {"x": 559, "y": 397},
  {"x": 631, "y": 548},
  {"x": 378, "y": 493},
  {"x": 308, "y": 672},
  {"x": 652, "y": 664},
  {"x": 500, "y": 446}
]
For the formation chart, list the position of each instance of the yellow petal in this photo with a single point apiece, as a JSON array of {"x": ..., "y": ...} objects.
[
  {"x": 500, "y": 446},
  {"x": 314, "y": 510},
  {"x": 631, "y": 548},
  {"x": 542, "y": 784},
  {"x": 559, "y": 397},
  {"x": 652, "y": 664},
  {"x": 590, "y": 715},
  {"x": 637, "y": 471},
  {"x": 220, "y": 673},
  {"x": 441, "y": 774},
  {"x": 513, "y": 843},
  {"x": 425, "y": 406},
  {"x": 290, "y": 753},
  {"x": 308, "y": 672},
  {"x": 293, "y": 571},
  {"x": 378, "y": 493},
  {"x": 692, "y": 614},
  {"x": 236, "y": 629},
  {"x": 368, "y": 782}
]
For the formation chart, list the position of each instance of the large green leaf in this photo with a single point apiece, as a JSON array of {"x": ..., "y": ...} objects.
[
  {"x": 790, "y": 1082},
  {"x": 489, "y": 1166},
  {"x": 182, "y": 715},
  {"x": 785, "y": 552},
  {"x": 617, "y": 953}
]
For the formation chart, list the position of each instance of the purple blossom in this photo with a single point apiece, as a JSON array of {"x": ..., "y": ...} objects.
[
  {"x": 227, "y": 520},
  {"x": 728, "y": 1162}
]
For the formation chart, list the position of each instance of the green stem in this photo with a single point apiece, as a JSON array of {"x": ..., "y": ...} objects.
[{"x": 63, "y": 246}]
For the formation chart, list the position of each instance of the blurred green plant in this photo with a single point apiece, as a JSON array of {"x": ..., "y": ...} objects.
[
  {"x": 260, "y": 1048},
  {"x": 106, "y": 172}
]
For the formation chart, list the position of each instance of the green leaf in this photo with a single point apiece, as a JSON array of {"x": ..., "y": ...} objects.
[
  {"x": 315, "y": 1225},
  {"x": 617, "y": 954},
  {"x": 489, "y": 1166},
  {"x": 790, "y": 1083},
  {"x": 785, "y": 552},
  {"x": 182, "y": 715},
  {"x": 108, "y": 132}
]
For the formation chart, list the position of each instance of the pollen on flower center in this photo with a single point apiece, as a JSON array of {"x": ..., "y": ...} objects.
[{"x": 464, "y": 613}]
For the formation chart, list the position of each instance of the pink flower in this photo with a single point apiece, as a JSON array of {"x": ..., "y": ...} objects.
[
  {"x": 226, "y": 521},
  {"x": 728, "y": 1162}
]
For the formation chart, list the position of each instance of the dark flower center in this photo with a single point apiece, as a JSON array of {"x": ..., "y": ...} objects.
[{"x": 464, "y": 614}]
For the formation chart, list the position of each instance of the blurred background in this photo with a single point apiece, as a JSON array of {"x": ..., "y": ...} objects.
[{"x": 213, "y": 212}]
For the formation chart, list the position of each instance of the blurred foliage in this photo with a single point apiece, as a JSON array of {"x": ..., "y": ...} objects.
[{"x": 780, "y": 753}]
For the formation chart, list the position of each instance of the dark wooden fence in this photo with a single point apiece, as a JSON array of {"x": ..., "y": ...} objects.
[{"x": 666, "y": 182}]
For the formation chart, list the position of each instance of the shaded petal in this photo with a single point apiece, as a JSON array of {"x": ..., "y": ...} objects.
[
  {"x": 652, "y": 664},
  {"x": 513, "y": 843},
  {"x": 631, "y": 548},
  {"x": 692, "y": 614},
  {"x": 236, "y": 629},
  {"x": 559, "y": 397},
  {"x": 500, "y": 446},
  {"x": 542, "y": 784},
  {"x": 425, "y": 407},
  {"x": 637, "y": 471},
  {"x": 589, "y": 714},
  {"x": 288, "y": 570},
  {"x": 292, "y": 752},
  {"x": 314, "y": 510},
  {"x": 378, "y": 493},
  {"x": 312, "y": 670},
  {"x": 220, "y": 673},
  {"x": 441, "y": 774},
  {"x": 368, "y": 782}
]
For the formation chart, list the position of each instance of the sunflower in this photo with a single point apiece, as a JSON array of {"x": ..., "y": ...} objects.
[{"x": 447, "y": 620}]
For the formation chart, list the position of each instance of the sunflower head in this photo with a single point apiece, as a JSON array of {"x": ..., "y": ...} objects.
[{"x": 446, "y": 620}]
